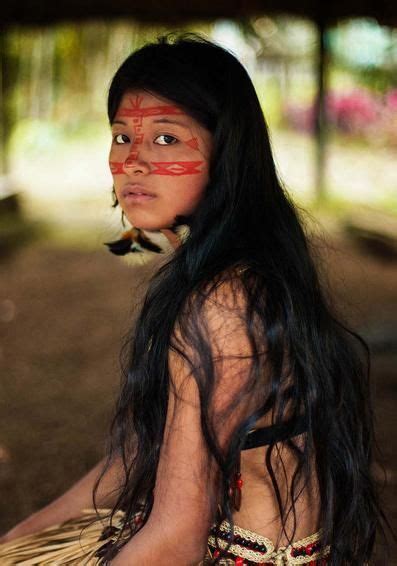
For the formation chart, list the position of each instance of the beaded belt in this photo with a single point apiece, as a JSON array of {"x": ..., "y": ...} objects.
[
  {"x": 85, "y": 540},
  {"x": 248, "y": 548},
  {"x": 251, "y": 548}
]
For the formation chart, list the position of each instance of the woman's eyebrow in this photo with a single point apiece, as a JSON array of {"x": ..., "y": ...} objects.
[
  {"x": 158, "y": 121},
  {"x": 168, "y": 121}
]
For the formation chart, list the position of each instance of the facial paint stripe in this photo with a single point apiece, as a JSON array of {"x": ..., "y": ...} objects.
[
  {"x": 116, "y": 167},
  {"x": 133, "y": 156},
  {"x": 176, "y": 167},
  {"x": 173, "y": 168},
  {"x": 193, "y": 143},
  {"x": 149, "y": 111}
]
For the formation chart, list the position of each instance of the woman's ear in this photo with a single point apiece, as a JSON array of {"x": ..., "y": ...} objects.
[{"x": 115, "y": 199}]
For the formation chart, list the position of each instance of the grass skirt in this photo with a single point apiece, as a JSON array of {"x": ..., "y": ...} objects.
[{"x": 86, "y": 540}]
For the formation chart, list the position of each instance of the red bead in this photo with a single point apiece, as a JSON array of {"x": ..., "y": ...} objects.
[
  {"x": 239, "y": 561},
  {"x": 309, "y": 549},
  {"x": 239, "y": 483},
  {"x": 216, "y": 553}
]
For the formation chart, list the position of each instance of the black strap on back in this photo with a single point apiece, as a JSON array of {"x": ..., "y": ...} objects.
[{"x": 275, "y": 433}]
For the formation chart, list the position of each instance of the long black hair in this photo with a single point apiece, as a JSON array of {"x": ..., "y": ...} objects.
[{"x": 246, "y": 219}]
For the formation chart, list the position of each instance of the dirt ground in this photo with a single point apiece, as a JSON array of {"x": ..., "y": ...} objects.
[{"x": 63, "y": 313}]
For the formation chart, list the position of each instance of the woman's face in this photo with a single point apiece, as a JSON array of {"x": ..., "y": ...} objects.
[{"x": 159, "y": 160}]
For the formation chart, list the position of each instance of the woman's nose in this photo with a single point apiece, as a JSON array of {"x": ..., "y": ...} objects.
[{"x": 135, "y": 164}]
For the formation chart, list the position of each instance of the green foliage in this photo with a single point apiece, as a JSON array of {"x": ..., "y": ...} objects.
[{"x": 367, "y": 51}]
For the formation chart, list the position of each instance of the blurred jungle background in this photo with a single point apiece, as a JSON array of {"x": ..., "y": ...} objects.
[{"x": 330, "y": 99}]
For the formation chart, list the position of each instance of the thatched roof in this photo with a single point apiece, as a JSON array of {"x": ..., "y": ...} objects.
[{"x": 31, "y": 12}]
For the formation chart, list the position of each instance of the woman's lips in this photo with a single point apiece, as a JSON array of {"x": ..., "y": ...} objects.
[
  {"x": 136, "y": 197},
  {"x": 136, "y": 193}
]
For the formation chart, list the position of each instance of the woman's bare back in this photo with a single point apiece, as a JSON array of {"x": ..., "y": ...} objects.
[{"x": 259, "y": 510}]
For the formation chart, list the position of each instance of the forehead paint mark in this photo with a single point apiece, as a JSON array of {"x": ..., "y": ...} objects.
[
  {"x": 136, "y": 101},
  {"x": 138, "y": 139},
  {"x": 148, "y": 111},
  {"x": 193, "y": 143},
  {"x": 137, "y": 113},
  {"x": 176, "y": 167},
  {"x": 136, "y": 120}
]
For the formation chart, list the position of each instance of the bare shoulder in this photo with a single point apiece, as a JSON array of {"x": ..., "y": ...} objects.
[
  {"x": 219, "y": 318},
  {"x": 225, "y": 291}
]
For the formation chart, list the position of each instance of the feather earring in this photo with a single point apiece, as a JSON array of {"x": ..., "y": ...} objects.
[
  {"x": 137, "y": 241},
  {"x": 132, "y": 241}
]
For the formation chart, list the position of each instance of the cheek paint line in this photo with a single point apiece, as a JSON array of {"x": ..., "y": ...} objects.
[
  {"x": 149, "y": 111},
  {"x": 116, "y": 167},
  {"x": 176, "y": 167},
  {"x": 172, "y": 168}
]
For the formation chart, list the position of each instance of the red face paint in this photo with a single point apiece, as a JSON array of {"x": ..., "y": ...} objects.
[
  {"x": 176, "y": 168},
  {"x": 138, "y": 138},
  {"x": 132, "y": 157},
  {"x": 173, "y": 168},
  {"x": 116, "y": 167},
  {"x": 193, "y": 143},
  {"x": 149, "y": 111},
  {"x": 136, "y": 112}
]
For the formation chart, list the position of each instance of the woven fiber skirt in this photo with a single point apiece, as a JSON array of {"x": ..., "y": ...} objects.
[{"x": 86, "y": 541}]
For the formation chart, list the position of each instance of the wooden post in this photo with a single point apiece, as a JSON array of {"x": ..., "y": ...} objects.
[
  {"x": 320, "y": 115},
  {"x": 3, "y": 164},
  {"x": 5, "y": 118}
]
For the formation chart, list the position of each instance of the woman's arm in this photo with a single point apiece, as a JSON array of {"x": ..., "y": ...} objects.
[
  {"x": 186, "y": 489},
  {"x": 70, "y": 504}
]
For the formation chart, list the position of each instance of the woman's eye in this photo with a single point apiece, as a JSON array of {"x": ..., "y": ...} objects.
[
  {"x": 121, "y": 139},
  {"x": 165, "y": 139}
]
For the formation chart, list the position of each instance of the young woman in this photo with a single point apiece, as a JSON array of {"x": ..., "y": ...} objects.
[{"x": 243, "y": 431}]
